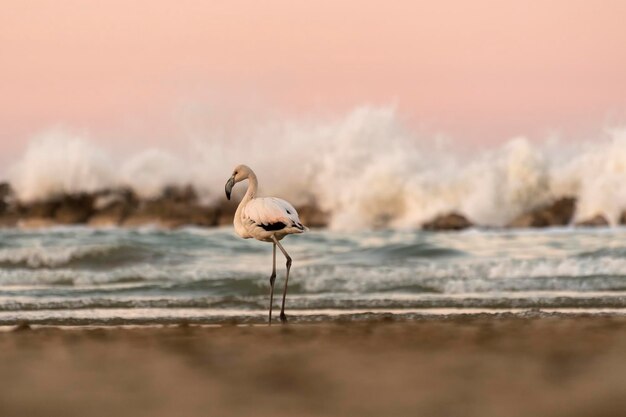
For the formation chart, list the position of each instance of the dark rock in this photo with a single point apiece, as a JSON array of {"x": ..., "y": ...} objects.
[
  {"x": 74, "y": 208},
  {"x": 596, "y": 221},
  {"x": 113, "y": 206},
  {"x": 6, "y": 196},
  {"x": 226, "y": 212},
  {"x": 37, "y": 214},
  {"x": 186, "y": 194},
  {"x": 174, "y": 208},
  {"x": 108, "y": 198},
  {"x": 8, "y": 206},
  {"x": 312, "y": 216},
  {"x": 171, "y": 215},
  {"x": 9, "y": 219},
  {"x": 63, "y": 209},
  {"x": 450, "y": 221},
  {"x": 5, "y": 190},
  {"x": 559, "y": 213},
  {"x": 43, "y": 209}
]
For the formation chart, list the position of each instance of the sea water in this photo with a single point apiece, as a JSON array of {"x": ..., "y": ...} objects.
[
  {"x": 84, "y": 276},
  {"x": 367, "y": 170}
]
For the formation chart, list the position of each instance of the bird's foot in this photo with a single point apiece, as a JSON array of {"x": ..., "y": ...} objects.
[{"x": 283, "y": 317}]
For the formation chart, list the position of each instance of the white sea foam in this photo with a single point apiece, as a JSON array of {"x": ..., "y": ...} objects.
[
  {"x": 78, "y": 271},
  {"x": 571, "y": 274},
  {"x": 367, "y": 169},
  {"x": 56, "y": 162}
]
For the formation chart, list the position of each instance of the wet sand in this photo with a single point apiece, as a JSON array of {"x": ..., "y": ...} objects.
[{"x": 462, "y": 366}]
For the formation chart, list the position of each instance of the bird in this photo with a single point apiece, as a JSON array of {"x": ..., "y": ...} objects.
[{"x": 267, "y": 219}]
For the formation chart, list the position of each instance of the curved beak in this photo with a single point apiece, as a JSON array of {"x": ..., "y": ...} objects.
[{"x": 229, "y": 186}]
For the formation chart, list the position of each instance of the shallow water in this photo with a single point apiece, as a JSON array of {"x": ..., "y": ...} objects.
[{"x": 118, "y": 276}]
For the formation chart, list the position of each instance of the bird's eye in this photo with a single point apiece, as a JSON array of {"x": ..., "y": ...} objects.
[{"x": 235, "y": 173}]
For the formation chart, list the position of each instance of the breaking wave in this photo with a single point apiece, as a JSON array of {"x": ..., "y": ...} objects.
[
  {"x": 124, "y": 274},
  {"x": 38, "y": 256},
  {"x": 366, "y": 169}
]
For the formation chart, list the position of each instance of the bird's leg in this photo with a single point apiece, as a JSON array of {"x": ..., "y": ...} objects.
[
  {"x": 283, "y": 317},
  {"x": 272, "y": 279}
]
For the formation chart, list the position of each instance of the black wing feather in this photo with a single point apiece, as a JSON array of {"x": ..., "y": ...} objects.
[{"x": 273, "y": 226}]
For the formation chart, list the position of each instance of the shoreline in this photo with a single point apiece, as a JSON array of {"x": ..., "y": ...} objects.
[
  {"x": 313, "y": 317},
  {"x": 472, "y": 366}
]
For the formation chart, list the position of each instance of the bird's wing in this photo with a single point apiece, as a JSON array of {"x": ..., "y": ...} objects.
[{"x": 272, "y": 212}]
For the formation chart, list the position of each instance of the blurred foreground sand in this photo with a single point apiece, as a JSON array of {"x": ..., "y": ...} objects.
[{"x": 437, "y": 367}]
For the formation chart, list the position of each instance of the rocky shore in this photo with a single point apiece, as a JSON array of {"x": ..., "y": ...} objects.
[
  {"x": 180, "y": 206},
  {"x": 559, "y": 213},
  {"x": 174, "y": 207}
]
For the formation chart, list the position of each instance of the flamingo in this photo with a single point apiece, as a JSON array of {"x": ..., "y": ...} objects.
[{"x": 267, "y": 219}]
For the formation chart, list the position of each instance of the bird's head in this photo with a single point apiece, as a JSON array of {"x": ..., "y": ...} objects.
[{"x": 240, "y": 173}]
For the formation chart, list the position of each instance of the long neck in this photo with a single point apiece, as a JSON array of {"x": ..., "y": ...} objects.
[
  {"x": 253, "y": 184},
  {"x": 250, "y": 194}
]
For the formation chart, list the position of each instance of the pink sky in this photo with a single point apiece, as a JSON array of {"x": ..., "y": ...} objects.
[{"x": 478, "y": 70}]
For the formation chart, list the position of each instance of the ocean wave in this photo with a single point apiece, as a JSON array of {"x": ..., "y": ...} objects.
[
  {"x": 110, "y": 303},
  {"x": 137, "y": 280},
  {"x": 619, "y": 252},
  {"x": 368, "y": 170},
  {"x": 396, "y": 252},
  {"x": 404, "y": 268},
  {"x": 467, "y": 275},
  {"x": 36, "y": 256}
]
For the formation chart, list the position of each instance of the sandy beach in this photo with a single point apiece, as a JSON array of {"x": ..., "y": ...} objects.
[
  {"x": 462, "y": 366},
  {"x": 431, "y": 194}
]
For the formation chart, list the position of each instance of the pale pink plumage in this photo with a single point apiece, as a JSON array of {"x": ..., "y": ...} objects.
[
  {"x": 267, "y": 219},
  {"x": 271, "y": 210}
]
